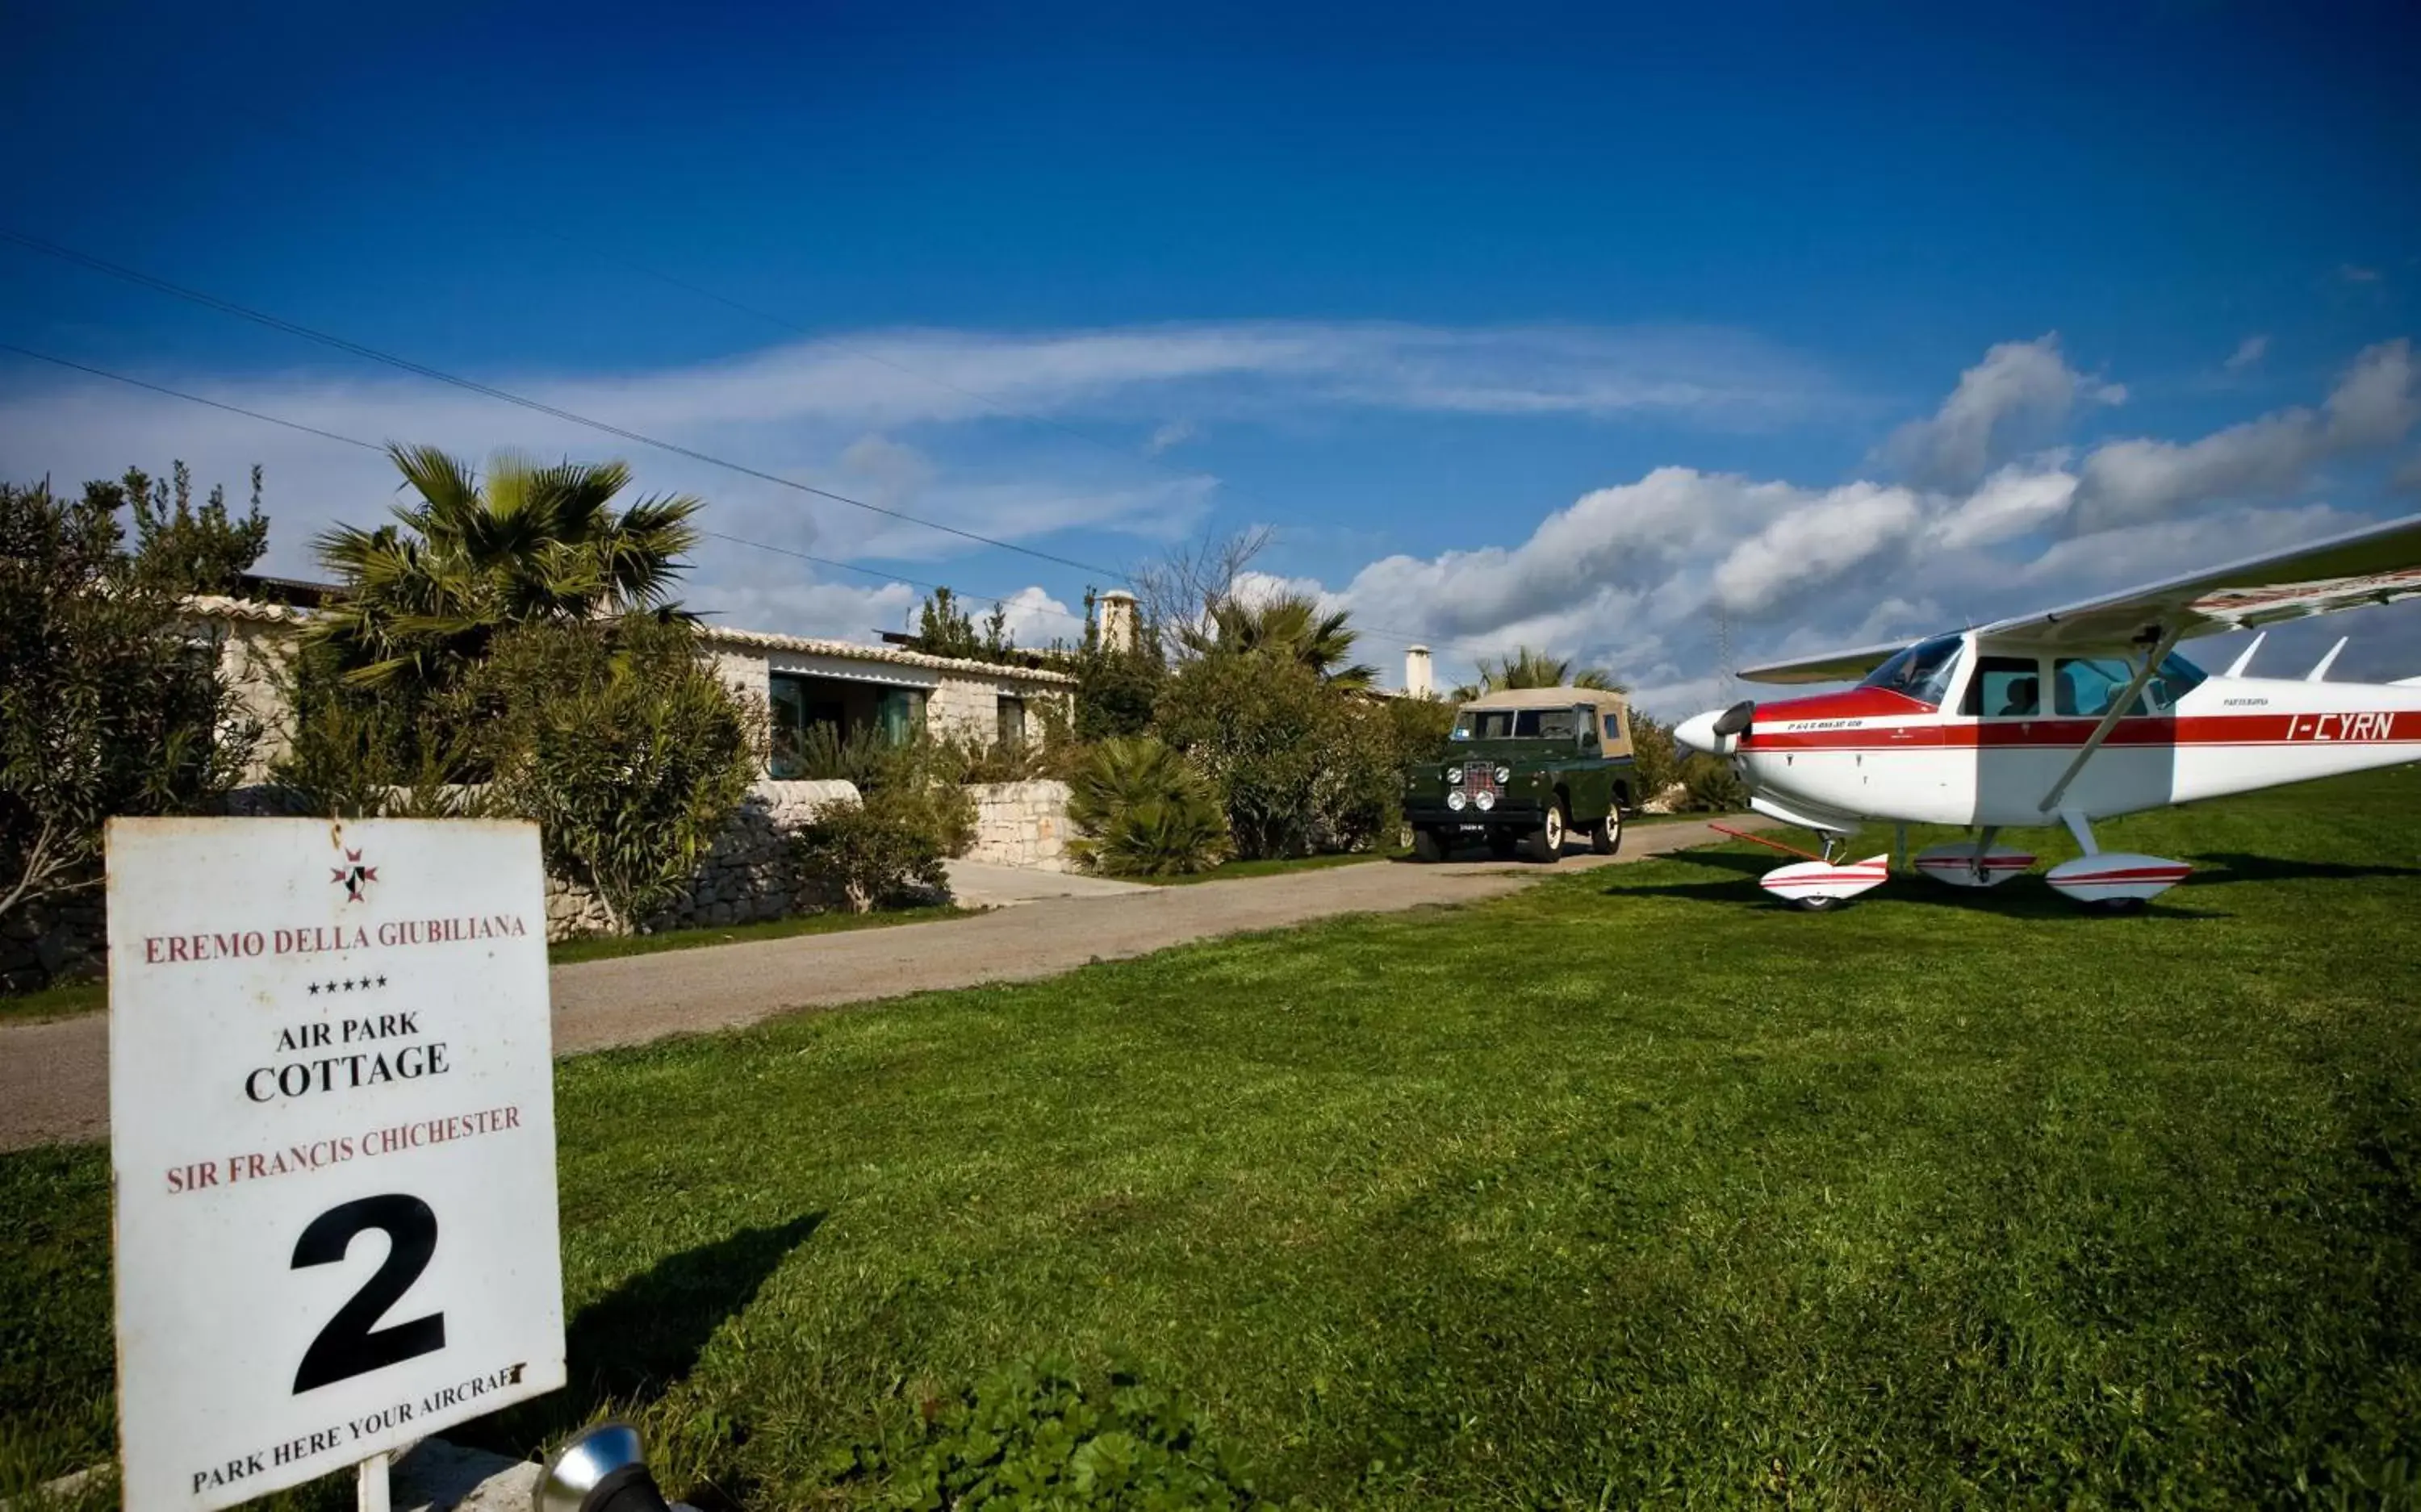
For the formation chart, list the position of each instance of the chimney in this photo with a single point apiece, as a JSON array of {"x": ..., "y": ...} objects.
[
  {"x": 1115, "y": 615},
  {"x": 1417, "y": 673}
]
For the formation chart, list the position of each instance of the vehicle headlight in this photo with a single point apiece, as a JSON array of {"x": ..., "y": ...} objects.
[
  {"x": 1452, "y": 775},
  {"x": 1455, "y": 799},
  {"x": 1486, "y": 801},
  {"x": 1503, "y": 775}
]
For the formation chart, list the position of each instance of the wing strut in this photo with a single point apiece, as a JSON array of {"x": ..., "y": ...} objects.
[{"x": 2118, "y": 707}]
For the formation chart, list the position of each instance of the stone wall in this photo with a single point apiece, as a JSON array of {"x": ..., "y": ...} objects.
[
  {"x": 62, "y": 938},
  {"x": 1021, "y": 824},
  {"x": 747, "y": 877}
]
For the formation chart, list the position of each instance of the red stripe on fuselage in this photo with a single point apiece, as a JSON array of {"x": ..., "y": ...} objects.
[{"x": 2371, "y": 727}]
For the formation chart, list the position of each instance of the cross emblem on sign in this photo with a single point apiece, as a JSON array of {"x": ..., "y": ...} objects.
[{"x": 353, "y": 876}]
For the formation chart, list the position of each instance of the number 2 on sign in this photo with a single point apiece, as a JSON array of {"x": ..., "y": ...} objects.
[{"x": 348, "y": 1347}]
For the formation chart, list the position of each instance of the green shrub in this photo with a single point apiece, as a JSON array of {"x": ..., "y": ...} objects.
[
  {"x": 1655, "y": 760},
  {"x": 1421, "y": 727},
  {"x": 1032, "y": 1437},
  {"x": 821, "y": 755},
  {"x": 869, "y": 855},
  {"x": 1299, "y": 766},
  {"x": 918, "y": 781},
  {"x": 620, "y": 741},
  {"x": 1358, "y": 786},
  {"x": 357, "y": 753},
  {"x": 1144, "y": 812},
  {"x": 1715, "y": 787},
  {"x": 1117, "y": 691},
  {"x": 108, "y": 705}
]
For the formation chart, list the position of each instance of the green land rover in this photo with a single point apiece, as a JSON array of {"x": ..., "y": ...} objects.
[{"x": 1524, "y": 769}]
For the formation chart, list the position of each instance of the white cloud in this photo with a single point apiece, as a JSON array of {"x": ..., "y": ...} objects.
[
  {"x": 2248, "y": 354},
  {"x": 2019, "y": 498},
  {"x": 1175, "y": 433},
  {"x": 1814, "y": 543},
  {"x": 1036, "y": 618},
  {"x": 2014, "y": 397},
  {"x": 2373, "y": 405},
  {"x": 1640, "y": 576}
]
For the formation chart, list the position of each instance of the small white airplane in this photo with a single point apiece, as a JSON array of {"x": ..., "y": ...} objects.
[{"x": 2082, "y": 713}]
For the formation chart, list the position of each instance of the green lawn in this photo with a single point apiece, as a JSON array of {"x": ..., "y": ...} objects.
[
  {"x": 1632, "y": 1187},
  {"x": 61, "y": 1002}
]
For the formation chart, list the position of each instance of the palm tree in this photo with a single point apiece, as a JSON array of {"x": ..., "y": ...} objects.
[
  {"x": 470, "y": 557},
  {"x": 1291, "y": 629},
  {"x": 1528, "y": 668}
]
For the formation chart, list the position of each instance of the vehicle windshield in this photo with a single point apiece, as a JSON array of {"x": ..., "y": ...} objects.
[
  {"x": 1921, "y": 672},
  {"x": 1517, "y": 724}
]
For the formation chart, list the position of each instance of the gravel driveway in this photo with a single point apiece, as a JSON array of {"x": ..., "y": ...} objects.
[{"x": 54, "y": 1077}]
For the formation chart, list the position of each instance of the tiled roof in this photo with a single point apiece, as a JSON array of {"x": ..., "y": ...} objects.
[
  {"x": 766, "y": 640},
  {"x": 216, "y": 606}
]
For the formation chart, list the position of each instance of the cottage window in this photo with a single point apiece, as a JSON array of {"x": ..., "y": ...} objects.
[{"x": 1012, "y": 720}]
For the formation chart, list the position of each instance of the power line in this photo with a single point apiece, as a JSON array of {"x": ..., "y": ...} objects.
[
  {"x": 373, "y": 445},
  {"x": 439, "y": 375},
  {"x": 590, "y": 248}
]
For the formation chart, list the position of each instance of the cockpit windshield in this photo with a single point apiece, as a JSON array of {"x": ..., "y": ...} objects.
[{"x": 1921, "y": 672}]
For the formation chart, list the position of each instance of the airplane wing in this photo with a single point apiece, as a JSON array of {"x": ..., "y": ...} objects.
[
  {"x": 2378, "y": 565},
  {"x": 1833, "y": 666}
]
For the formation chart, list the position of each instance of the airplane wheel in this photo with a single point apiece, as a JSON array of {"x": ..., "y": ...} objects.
[
  {"x": 1427, "y": 845},
  {"x": 1816, "y": 904},
  {"x": 1605, "y": 837},
  {"x": 2120, "y": 905}
]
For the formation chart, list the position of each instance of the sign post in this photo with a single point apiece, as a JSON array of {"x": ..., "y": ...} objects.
[{"x": 332, "y": 1128}]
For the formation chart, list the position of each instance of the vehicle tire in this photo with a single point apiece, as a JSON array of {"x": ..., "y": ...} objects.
[
  {"x": 1605, "y": 836},
  {"x": 1815, "y": 905},
  {"x": 1425, "y": 844},
  {"x": 1546, "y": 842}
]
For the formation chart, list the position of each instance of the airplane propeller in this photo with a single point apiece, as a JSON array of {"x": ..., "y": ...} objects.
[{"x": 1712, "y": 732}]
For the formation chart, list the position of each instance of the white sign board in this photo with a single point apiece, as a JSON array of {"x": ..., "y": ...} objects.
[{"x": 332, "y": 1127}]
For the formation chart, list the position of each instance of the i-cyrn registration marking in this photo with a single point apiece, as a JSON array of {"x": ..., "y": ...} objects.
[{"x": 2374, "y": 726}]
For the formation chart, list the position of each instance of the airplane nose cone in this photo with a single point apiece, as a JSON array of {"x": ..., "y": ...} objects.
[
  {"x": 1715, "y": 731},
  {"x": 1698, "y": 732}
]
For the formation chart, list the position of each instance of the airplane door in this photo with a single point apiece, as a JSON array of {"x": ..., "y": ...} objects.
[
  {"x": 2136, "y": 767},
  {"x": 2003, "y": 722}
]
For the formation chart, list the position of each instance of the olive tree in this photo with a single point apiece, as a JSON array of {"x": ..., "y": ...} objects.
[{"x": 109, "y": 703}]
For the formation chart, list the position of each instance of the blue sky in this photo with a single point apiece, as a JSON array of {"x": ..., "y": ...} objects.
[{"x": 1556, "y": 325}]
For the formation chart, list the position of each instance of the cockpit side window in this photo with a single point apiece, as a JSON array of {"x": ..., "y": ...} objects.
[
  {"x": 2175, "y": 679},
  {"x": 1921, "y": 672},
  {"x": 2005, "y": 687}
]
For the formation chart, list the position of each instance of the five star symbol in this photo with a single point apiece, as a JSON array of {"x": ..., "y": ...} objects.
[{"x": 348, "y": 985}]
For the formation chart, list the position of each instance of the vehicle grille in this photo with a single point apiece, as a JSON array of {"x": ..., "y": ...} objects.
[{"x": 1481, "y": 777}]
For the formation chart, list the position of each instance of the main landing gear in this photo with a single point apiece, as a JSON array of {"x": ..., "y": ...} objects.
[
  {"x": 2109, "y": 881},
  {"x": 2114, "y": 882}
]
